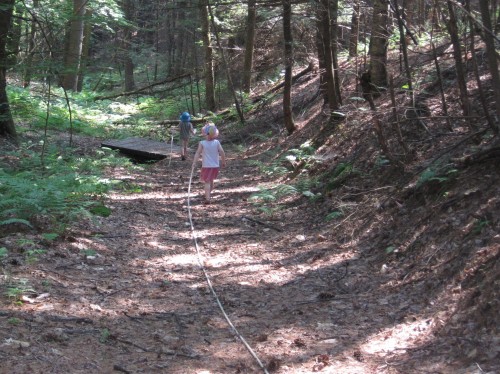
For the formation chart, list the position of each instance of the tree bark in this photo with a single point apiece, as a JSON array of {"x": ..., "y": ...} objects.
[
  {"x": 404, "y": 51},
  {"x": 128, "y": 64},
  {"x": 354, "y": 35},
  {"x": 287, "y": 93},
  {"x": 451, "y": 24},
  {"x": 328, "y": 81},
  {"x": 334, "y": 11},
  {"x": 379, "y": 43},
  {"x": 30, "y": 53},
  {"x": 249, "y": 46},
  {"x": 72, "y": 56},
  {"x": 226, "y": 66},
  {"x": 87, "y": 35},
  {"x": 492, "y": 57},
  {"x": 209, "y": 62},
  {"x": 7, "y": 127}
]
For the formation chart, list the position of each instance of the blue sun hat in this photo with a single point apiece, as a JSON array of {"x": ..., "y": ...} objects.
[{"x": 185, "y": 117}]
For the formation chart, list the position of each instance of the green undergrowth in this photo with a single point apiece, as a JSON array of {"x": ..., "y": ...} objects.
[
  {"x": 53, "y": 192},
  {"x": 292, "y": 167}
]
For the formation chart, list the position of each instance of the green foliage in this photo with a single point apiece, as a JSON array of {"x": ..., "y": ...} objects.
[
  {"x": 18, "y": 289},
  {"x": 62, "y": 189},
  {"x": 305, "y": 185},
  {"x": 50, "y": 236},
  {"x": 89, "y": 252},
  {"x": 305, "y": 154},
  {"x": 32, "y": 255},
  {"x": 437, "y": 173},
  {"x": 101, "y": 210},
  {"x": 342, "y": 172},
  {"x": 129, "y": 188},
  {"x": 390, "y": 249},
  {"x": 15, "y": 220},
  {"x": 479, "y": 226},
  {"x": 267, "y": 196},
  {"x": 334, "y": 215},
  {"x": 105, "y": 334},
  {"x": 264, "y": 195},
  {"x": 14, "y": 321},
  {"x": 3, "y": 252},
  {"x": 273, "y": 169},
  {"x": 381, "y": 161}
]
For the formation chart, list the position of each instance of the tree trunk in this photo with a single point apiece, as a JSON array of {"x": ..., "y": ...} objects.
[
  {"x": 287, "y": 92},
  {"x": 354, "y": 35},
  {"x": 492, "y": 57},
  {"x": 334, "y": 11},
  {"x": 404, "y": 51},
  {"x": 441, "y": 88},
  {"x": 128, "y": 64},
  {"x": 30, "y": 53},
  {"x": 87, "y": 35},
  {"x": 249, "y": 46},
  {"x": 209, "y": 62},
  {"x": 378, "y": 44},
  {"x": 75, "y": 42},
  {"x": 451, "y": 24},
  {"x": 226, "y": 66},
  {"x": 7, "y": 127},
  {"x": 325, "y": 45},
  {"x": 321, "y": 57}
]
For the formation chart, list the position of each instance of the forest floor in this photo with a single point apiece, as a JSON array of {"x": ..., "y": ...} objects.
[{"x": 403, "y": 279}]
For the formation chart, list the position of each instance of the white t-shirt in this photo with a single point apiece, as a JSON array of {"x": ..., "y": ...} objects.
[{"x": 210, "y": 154}]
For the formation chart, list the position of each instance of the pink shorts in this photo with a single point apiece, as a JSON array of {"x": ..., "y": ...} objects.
[{"x": 209, "y": 174}]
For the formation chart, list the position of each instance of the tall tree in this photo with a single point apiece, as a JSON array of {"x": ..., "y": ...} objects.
[
  {"x": 326, "y": 54},
  {"x": 334, "y": 12},
  {"x": 127, "y": 46},
  {"x": 208, "y": 61},
  {"x": 72, "y": 56},
  {"x": 226, "y": 66},
  {"x": 30, "y": 53},
  {"x": 249, "y": 45},
  {"x": 7, "y": 127},
  {"x": 492, "y": 55},
  {"x": 378, "y": 44},
  {"x": 451, "y": 24},
  {"x": 287, "y": 91},
  {"x": 404, "y": 49},
  {"x": 87, "y": 35},
  {"x": 354, "y": 34}
]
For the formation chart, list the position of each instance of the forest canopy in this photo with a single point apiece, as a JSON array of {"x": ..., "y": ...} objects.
[{"x": 206, "y": 55}]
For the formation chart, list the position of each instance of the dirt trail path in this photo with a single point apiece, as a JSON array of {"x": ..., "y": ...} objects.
[{"x": 303, "y": 300}]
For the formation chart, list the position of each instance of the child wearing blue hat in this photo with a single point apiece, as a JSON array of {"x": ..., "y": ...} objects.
[
  {"x": 212, "y": 157},
  {"x": 185, "y": 129}
]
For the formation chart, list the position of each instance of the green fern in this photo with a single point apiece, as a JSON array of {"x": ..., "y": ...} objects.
[{"x": 58, "y": 192}]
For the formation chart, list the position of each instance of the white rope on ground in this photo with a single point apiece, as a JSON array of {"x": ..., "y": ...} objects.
[
  {"x": 209, "y": 282},
  {"x": 171, "y": 147}
]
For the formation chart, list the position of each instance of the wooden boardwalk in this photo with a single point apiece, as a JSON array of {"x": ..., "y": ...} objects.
[{"x": 143, "y": 148}]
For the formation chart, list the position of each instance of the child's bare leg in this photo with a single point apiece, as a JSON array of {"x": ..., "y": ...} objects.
[
  {"x": 184, "y": 148},
  {"x": 207, "y": 191}
]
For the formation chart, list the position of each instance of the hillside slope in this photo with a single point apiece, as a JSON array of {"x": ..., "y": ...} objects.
[{"x": 326, "y": 255}]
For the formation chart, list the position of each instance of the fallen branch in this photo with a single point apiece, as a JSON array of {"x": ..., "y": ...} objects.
[
  {"x": 275, "y": 88},
  {"x": 170, "y": 122},
  {"x": 129, "y": 93}
]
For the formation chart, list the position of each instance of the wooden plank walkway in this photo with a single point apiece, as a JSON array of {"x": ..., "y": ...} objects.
[{"x": 143, "y": 148}]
